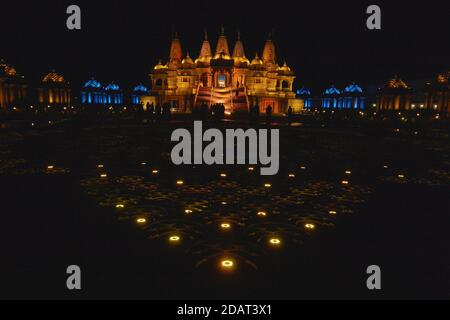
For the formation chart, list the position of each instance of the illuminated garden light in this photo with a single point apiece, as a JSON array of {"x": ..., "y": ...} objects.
[
  {"x": 332, "y": 212},
  {"x": 348, "y": 172},
  {"x": 223, "y": 175},
  {"x": 180, "y": 182},
  {"x": 103, "y": 175},
  {"x": 267, "y": 185},
  {"x": 225, "y": 226},
  {"x": 401, "y": 176},
  {"x": 141, "y": 220},
  {"x": 224, "y": 203},
  {"x": 303, "y": 168},
  {"x": 345, "y": 182},
  {"x": 227, "y": 264},
  {"x": 143, "y": 163},
  {"x": 262, "y": 214},
  {"x": 155, "y": 171},
  {"x": 174, "y": 239},
  {"x": 120, "y": 206},
  {"x": 188, "y": 211},
  {"x": 291, "y": 175},
  {"x": 100, "y": 166},
  {"x": 50, "y": 167},
  {"x": 275, "y": 242},
  {"x": 310, "y": 226},
  {"x": 251, "y": 168},
  {"x": 385, "y": 167}
]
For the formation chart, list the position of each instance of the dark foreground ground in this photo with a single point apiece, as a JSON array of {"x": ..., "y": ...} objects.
[{"x": 50, "y": 220}]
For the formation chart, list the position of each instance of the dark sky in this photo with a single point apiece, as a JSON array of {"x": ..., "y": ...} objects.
[{"x": 324, "y": 41}]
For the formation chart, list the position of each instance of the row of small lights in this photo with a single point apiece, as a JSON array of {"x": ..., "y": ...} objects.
[{"x": 228, "y": 264}]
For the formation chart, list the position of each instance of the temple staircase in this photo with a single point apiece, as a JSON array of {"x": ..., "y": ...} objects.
[{"x": 233, "y": 99}]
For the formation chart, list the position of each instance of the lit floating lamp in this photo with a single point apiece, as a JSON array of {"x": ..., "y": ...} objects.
[
  {"x": 100, "y": 166},
  {"x": 227, "y": 264},
  {"x": 345, "y": 182},
  {"x": 155, "y": 171},
  {"x": 223, "y": 175},
  {"x": 103, "y": 176},
  {"x": 302, "y": 168},
  {"x": 143, "y": 163},
  {"x": 225, "y": 226},
  {"x": 141, "y": 221},
  {"x": 275, "y": 242},
  {"x": 401, "y": 176},
  {"x": 310, "y": 226},
  {"x": 224, "y": 203},
  {"x": 50, "y": 167},
  {"x": 188, "y": 211},
  {"x": 262, "y": 214},
  {"x": 174, "y": 239},
  {"x": 291, "y": 175},
  {"x": 251, "y": 169},
  {"x": 385, "y": 167},
  {"x": 180, "y": 182},
  {"x": 267, "y": 185},
  {"x": 120, "y": 206},
  {"x": 332, "y": 212},
  {"x": 348, "y": 172}
]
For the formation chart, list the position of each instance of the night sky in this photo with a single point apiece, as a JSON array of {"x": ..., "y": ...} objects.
[{"x": 325, "y": 42}]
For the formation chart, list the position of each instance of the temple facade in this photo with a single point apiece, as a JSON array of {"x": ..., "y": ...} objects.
[
  {"x": 13, "y": 90},
  {"x": 394, "y": 96},
  {"x": 225, "y": 76},
  {"x": 54, "y": 91},
  {"x": 94, "y": 94},
  {"x": 437, "y": 94},
  {"x": 352, "y": 97}
]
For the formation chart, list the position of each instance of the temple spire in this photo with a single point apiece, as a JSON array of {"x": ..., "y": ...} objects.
[
  {"x": 269, "y": 55},
  {"x": 205, "y": 50},
  {"x": 222, "y": 44},
  {"x": 238, "y": 51},
  {"x": 176, "y": 53}
]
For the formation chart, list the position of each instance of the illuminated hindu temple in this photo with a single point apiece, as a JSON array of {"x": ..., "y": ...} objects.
[
  {"x": 437, "y": 94},
  {"x": 225, "y": 77},
  {"x": 13, "y": 90},
  {"x": 54, "y": 91},
  {"x": 352, "y": 97},
  {"x": 395, "y": 95},
  {"x": 94, "y": 94}
]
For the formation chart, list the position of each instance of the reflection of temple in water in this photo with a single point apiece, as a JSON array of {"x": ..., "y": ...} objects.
[{"x": 226, "y": 78}]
